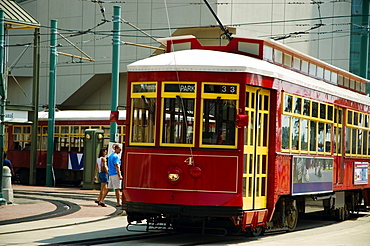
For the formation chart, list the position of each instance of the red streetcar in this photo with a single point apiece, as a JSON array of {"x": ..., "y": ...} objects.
[
  {"x": 190, "y": 161},
  {"x": 70, "y": 126}
]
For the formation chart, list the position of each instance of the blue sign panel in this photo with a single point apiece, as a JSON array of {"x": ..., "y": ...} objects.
[
  {"x": 312, "y": 175},
  {"x": 75, "y": 161}
]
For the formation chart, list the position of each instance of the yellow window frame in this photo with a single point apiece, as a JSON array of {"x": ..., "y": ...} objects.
[
  {"x": 205, "y": 95},
  {"x": 187, "y": 95},
  {"x": 338, "y": 130},
  {"x": 23, "y": 137},
  {"x": 310, "y": 118},
  {"x": 358, "y": 128},
  {"x": 139, "y": 95}
]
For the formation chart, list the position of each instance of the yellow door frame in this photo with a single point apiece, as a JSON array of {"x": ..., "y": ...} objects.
[{"x": 256, "y": 148}]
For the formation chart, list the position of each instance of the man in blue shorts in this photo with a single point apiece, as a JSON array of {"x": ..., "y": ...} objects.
[{"x": 115, "y": 176}]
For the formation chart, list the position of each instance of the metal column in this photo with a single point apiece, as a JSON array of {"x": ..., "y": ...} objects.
[
  {"x": 115, "y": 67},
  {"x": 51, "y": 119}
]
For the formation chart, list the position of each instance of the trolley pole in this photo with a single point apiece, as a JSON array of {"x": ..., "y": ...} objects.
[
  {"x": 2, "y": 103},
  {"x": 51, "y": 119},
  {"x": 115, "y": 68}
]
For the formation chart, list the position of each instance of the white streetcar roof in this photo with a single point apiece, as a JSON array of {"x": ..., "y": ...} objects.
[
  {"x": 216, "y": 61},
  {"x": 74, "y": 115}
]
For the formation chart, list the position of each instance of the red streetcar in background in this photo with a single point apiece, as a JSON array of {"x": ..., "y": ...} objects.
[
  {"x": 189, "y": 163},
  {"x": 70, "y": 126}
]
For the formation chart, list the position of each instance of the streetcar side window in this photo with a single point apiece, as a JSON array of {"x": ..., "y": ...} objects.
[
  {"x": 219, "y": 104},
  {"x": 304, "y": 135},
  {"x": 285, "y": 132},
  {"x": 295, "y": 133},
  {"x": 338, "y": 115},
  {"x": 21, "y": 137},
  {"x": 143, "y": 113},
  {"x": 307, "y": 126},
  {"x": 288, "y": 103},
  {"x": 357, "y": 133}
]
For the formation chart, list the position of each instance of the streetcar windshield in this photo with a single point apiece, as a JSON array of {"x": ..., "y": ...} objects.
[
  {"x": 143, "y": 112},
  {"x": 143, "y": 120},
  {"x": 219, "y": 121},
  {"x": 178, "y": 120}
]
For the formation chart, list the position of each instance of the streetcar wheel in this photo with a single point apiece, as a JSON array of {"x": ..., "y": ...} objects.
[
  {"x": 291, "y": 216},
  {"x": 259, "y": 231}
]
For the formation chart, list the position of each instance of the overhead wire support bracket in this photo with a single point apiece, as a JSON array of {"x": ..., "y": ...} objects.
[
  {"x": 74, "y": 56},
  {"x": 77, "y": 48},
  {"x": 143, "y": 32},
  {"x": 143, "y": 45}
]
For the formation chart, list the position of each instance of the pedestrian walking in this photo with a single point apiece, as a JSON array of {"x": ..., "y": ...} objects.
[
  {"x": 115, "y": 175},
  {"x": 102, "y": 170}
]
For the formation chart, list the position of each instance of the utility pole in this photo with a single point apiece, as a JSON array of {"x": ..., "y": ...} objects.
[
  {"x": 35, "y": 104},
  {"x": 364, "y": 52},
  {"x": 115, "y": 67},
  {"x": 2, "y": 103},
  {"x": 51, "y": 119}
]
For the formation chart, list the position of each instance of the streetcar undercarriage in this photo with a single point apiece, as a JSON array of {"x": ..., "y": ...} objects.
[{"x": 224, "y": 220}]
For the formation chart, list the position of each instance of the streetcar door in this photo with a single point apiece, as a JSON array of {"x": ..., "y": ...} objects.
[{"x": 256, "y": 148}]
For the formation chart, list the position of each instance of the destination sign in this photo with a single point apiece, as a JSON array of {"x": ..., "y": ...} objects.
[
  {"x": 222, "y": 89},
  {"x": 144, "y": 88},
  {"x": 185, "y": 88}
]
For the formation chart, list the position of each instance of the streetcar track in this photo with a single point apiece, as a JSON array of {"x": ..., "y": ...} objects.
[{"x": 126, "y": 238}]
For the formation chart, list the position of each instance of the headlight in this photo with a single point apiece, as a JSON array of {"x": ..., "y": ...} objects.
[
  {"x": 173, "y": 176},
  {"x": 174, "y": 173}
]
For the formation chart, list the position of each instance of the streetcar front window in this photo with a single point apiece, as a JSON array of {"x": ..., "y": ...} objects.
[
  {"x": 143, "y": 112},
  {"x": 219, "y": 121},
  {"x": 178, "y": 120},
  {"x": 178, "y": 111},
  {"x": 143, "y": 120},
  {"x": 219, "y": 104}
]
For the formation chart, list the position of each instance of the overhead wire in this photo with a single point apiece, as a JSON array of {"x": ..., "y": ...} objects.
[
  {"x": 107, "y": 33},
  {"x": 191, "y": 157}
]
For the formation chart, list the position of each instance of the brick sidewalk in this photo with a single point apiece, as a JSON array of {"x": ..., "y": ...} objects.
[{"x": 23, "y": 207}]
